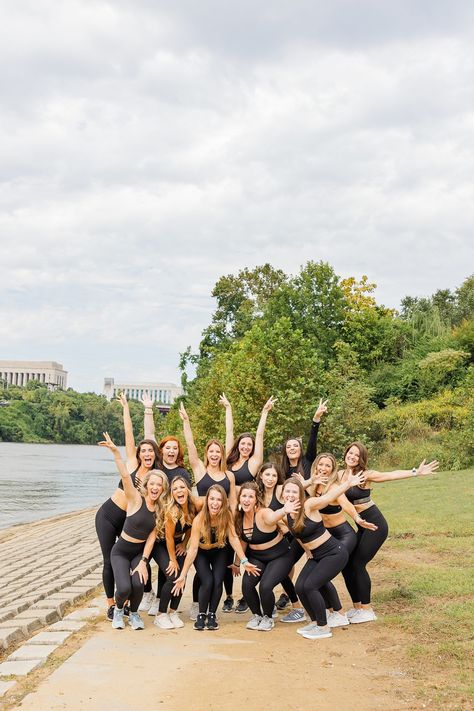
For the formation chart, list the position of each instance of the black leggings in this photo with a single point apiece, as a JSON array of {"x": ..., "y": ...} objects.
[
  {"x": 161, "y": 556},
  {"x": 125, "y": 557},
  {"x": 109, "y": 521},
  {"x": 327, "y": 561},
  {"x": 328, "y": 591},
  {"x": 275, "y": 563},
  {"x": 210, "y": 566},
  {"x": 229, "y": 576},
  {"x": 368, "y": 543}
]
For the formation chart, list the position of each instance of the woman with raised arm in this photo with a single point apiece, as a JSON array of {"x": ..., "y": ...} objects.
[
  {"x": 110, "y": 517},
  {"x": 293, "y": 460},
  {"x": 244, "y": 459},
  {"x": 324, "y": 474},
  {"x": 130, "y": 554},
  {"x": 368, "y": 541},
  {"x": 327, "y": 557},
  {"x": 180, "y": 510},
  {"x": 211, "y": 530},
  {"x": 267, "y": 548}
]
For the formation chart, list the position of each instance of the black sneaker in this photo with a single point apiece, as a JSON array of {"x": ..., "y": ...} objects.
[
  {"x": 282, "y": 601},
  {"x": 228, "y": 605},
  {"x": 126, "y": 610},
  {"x": 241, "y": 606},
  {"x": 212, "y": 623},
  {"x": 110, "y": 612},
  {"x": 200, "y": 623}
]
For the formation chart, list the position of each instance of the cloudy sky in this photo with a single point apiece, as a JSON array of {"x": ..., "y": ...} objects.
[{"x": 148, "y": 147}]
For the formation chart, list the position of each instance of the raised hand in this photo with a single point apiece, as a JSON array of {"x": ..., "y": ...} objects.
[
  {"x": 146, "y": 401},
  {"x": 319, "y": 479},
  {"x": 321, "y": 410},
  {"x": 107, "y": 442},
  {"x": 269, "y": 404},
  {"x": 291, "y": 507},
  {"x": 356, "y": 479},
  {"x": 122, "y": 398},
  {"x": 224, "y": 401},
  {"x": 425, "y": 469},
  {"x": 182, "y": 413}
]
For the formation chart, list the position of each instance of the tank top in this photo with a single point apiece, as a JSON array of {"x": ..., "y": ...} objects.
[
  {"x": 213, "y": 541},
  {"x": 207, "y": 481},
  {"x": 274, "y": 504},
  {"x": 311, "y": 529},
  {"x": 243, "y": 474},
  {"x": 141, "y": 523},
  {"x": 180, "y": 530},
  {"x": 133, "y": 476},
  {"x": 357, "y": 495},
  {"x": 256, "y": 536}
]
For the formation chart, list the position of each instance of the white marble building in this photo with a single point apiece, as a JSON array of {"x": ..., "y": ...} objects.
[{"x": 20, "y": 372}]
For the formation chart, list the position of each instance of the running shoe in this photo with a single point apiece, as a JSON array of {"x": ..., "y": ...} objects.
[
  {"x": 200, "y": 623},
  {"x": 295, "y": 615},
  {"x": 154, "y": 607},
  {"x": 307, "y": 628},
  {"x": 118, "y": 622},
  {"x": 350, "y": 613},
  {"x": 110, "y": 612},
  {"x": 176, "y": 619},
  {"x": 282, "y": 601},
  {"x": 212, "y": 623},
  {"x": 193, "y": 611},
  {"x": 317, "y": 633},
  {"x": 147, "y": 600},
  {"x": 266, "y": 624},
  {"x": 163, "y": 620},
  {"x": 336, "y": 619},
  {"x": 254, "y": 622},
  {"x": 241, "y": 606},
  {"x": 228, "y": 605},
  {"x": 362, "y": 616},
  {"x": 135, "y": 621}
]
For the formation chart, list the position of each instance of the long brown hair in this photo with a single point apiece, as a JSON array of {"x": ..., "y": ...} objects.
[
  {"x": 222, "y": 465},
  {"x": 223, "y": 519},
  {"x": 285, "y": 461},
  {"x": 258, "y": 478},
  {"x": 153, "y": 444},
  {"x": 298, "y": 524},
  {"x": 171, "y": 438},
  {"x": 333, "y": 477},
  {"x": 160, "y": 502},
  {"x": 174, "y": 511},
  {"x": 363, "y": 456},
  {"x": 234, "y": 454},
  {"x": 239, "y": 514}
]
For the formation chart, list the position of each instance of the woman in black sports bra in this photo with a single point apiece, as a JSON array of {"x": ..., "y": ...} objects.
[
  {"x": 110, "y": 517},
  {"x": 130, "y": 554},
  {"x": 333, "y": 515},
  {"x": 212, "y": 528},
  {"x": 267, "y": 549},
  {"x": 326, "y": 556},
  {"x": 293, "y": 460},
  {"x": 368, "y": 541},
  {"x": 244, "y": 458}
]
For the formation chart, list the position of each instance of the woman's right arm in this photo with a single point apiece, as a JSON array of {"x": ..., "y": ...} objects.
[
  {"x": 130, "y": 492},
  {"x": 130, "y": 450},
  {"x": 196, "y": 464},
  {"x": 319, "y": 502},
  {"x": 148, "y": 420},
  {"x": 190, "y": 557},
  {"x": 229, "y": 424}
]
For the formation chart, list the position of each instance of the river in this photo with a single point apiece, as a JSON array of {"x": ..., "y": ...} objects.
[{"x": 42, "y": 480}]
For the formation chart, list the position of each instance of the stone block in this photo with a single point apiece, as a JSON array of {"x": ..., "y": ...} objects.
[
  {"x": 10, "y": 635},
  {"x": 85, "y": 614},
  {"x": 67, "y": 625},
  {"x": 32, "y": 651},
  {"x": 19, "y": 668},
  {"x": 6, "y": 686},
  {"x": 49, "y": 637},
  {"x": 45, "y": 616}
]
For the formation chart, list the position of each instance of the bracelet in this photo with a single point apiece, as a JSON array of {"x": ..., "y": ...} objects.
[
  {"x": 145, "y": 559},
  {"x": 244, "y": 560},
  {"x": 414, "y": 471}
]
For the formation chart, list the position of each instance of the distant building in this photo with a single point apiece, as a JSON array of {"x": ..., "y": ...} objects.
[
  {"x": 163, "y": 394},
  {"x": 20, "y": 372}
]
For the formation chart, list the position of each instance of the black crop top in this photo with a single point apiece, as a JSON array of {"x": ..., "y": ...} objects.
[
  {"x": 310, "y": 455},
  {"x": 256, "y": 536},
  {"x": 141, "y": 523},
  {"x": 310, "y": 532},
  {"x": 243, "y": 474},
  {"x": 133, "y": 477},
  {"x": 357, "y": 495},
  {"x": 274, "y": 504},
  {"x": 180, "y": 530},
  {"x": 207, "y": 481},
  {"x": 177, "y": 471},
  {"x": 330, "y": 508},
  {"x": 213, "y": 541}
]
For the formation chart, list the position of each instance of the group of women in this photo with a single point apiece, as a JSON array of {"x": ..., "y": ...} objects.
[{"x": 243, "y": 514}]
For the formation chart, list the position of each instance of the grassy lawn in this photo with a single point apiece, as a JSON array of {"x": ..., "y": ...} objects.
[{"x": 423, "y": 581}]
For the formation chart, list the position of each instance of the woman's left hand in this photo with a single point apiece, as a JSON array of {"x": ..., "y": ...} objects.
[
  {"x": 173, "y": 568},
  {"x": 235, "y": 569},
  {"x": 425, "y": 469},
  {"x": 142, "y": 571},
  {"x": 322, "y": 409},
  {"x": 180, "y": 549},
  {"x": 365, "y": 524},
  {"x": 269, "y": 404},
  {"x": 178, "y": 585},
  {"x": 252, "y": 569},
  {"x": 146, "y": 401}
]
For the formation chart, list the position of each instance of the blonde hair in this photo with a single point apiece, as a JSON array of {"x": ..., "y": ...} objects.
[
  {"x": 174, "y": 511},
  {"x": 222, "y": 463},
  {"x": 223, "y": 519},
  {"x": 161, "y": 500},
  {"x": 239, "y": 514},
  {"x": 300, "y": 514},
  {"x": 333, "y": 477}
]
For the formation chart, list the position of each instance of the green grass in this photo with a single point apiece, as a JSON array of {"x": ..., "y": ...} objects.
[{"x": 424, "y": 580}]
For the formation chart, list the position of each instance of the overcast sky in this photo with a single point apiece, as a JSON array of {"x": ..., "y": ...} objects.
[{"x": 148, "y": 147}]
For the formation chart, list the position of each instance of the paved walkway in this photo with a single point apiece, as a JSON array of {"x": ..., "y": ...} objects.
[{"x": 44, "y": 568}]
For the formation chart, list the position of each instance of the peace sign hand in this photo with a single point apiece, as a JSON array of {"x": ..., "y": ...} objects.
[{"x": 322, "y": 409}]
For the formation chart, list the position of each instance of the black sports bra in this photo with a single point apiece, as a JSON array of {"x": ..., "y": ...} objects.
[
  {"x": 207, "y": 481},
  {"x": 357, "y": 495},
  {"x": 330, "y": 508},
  {"x": 180, "y": 530},
  {"x": 133, "y": 476},
  {"x": 243, "y": 474},
  {"x": 274, "y": 504},
  {"x": 311, "y": 529},
  {"x": 141, "y": 523},
  {"x": 256, "y": 536},
  {"x": 212, "y": 542}
]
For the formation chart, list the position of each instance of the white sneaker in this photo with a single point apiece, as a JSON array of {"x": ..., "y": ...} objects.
[
  {"x": 254, "y": 622},
  {"x": 362, "y": 616},
  {"x": 147, "y": 600},
  {"x": 117, "y": 620},
  {"x": 317, "y": 633},
  {"x": 163, "y": 620},
  {"x": 193, "y": 611},
  {"x": 350, "y": 613},
  {"x": 154, "y": 607},
  {"x": 176, "y": 619},
  {"x": 307, "y": 628},
  {"x": 135, "y": 621},
  {"x": 266, "y": 624},
  {"x": 336, "y": 619}
]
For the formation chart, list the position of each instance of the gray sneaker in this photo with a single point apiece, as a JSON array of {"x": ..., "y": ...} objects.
[
  {"x": 307, "y": 628},
  {"x": 135, "y": 621},
  {"x": 117, "y": 620},
  {"x": 254, "y": 622},
  {"x": 317, "y": 633},
  {"x": 266, "y": 624},
  {"x": 295, "y": 615}
]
